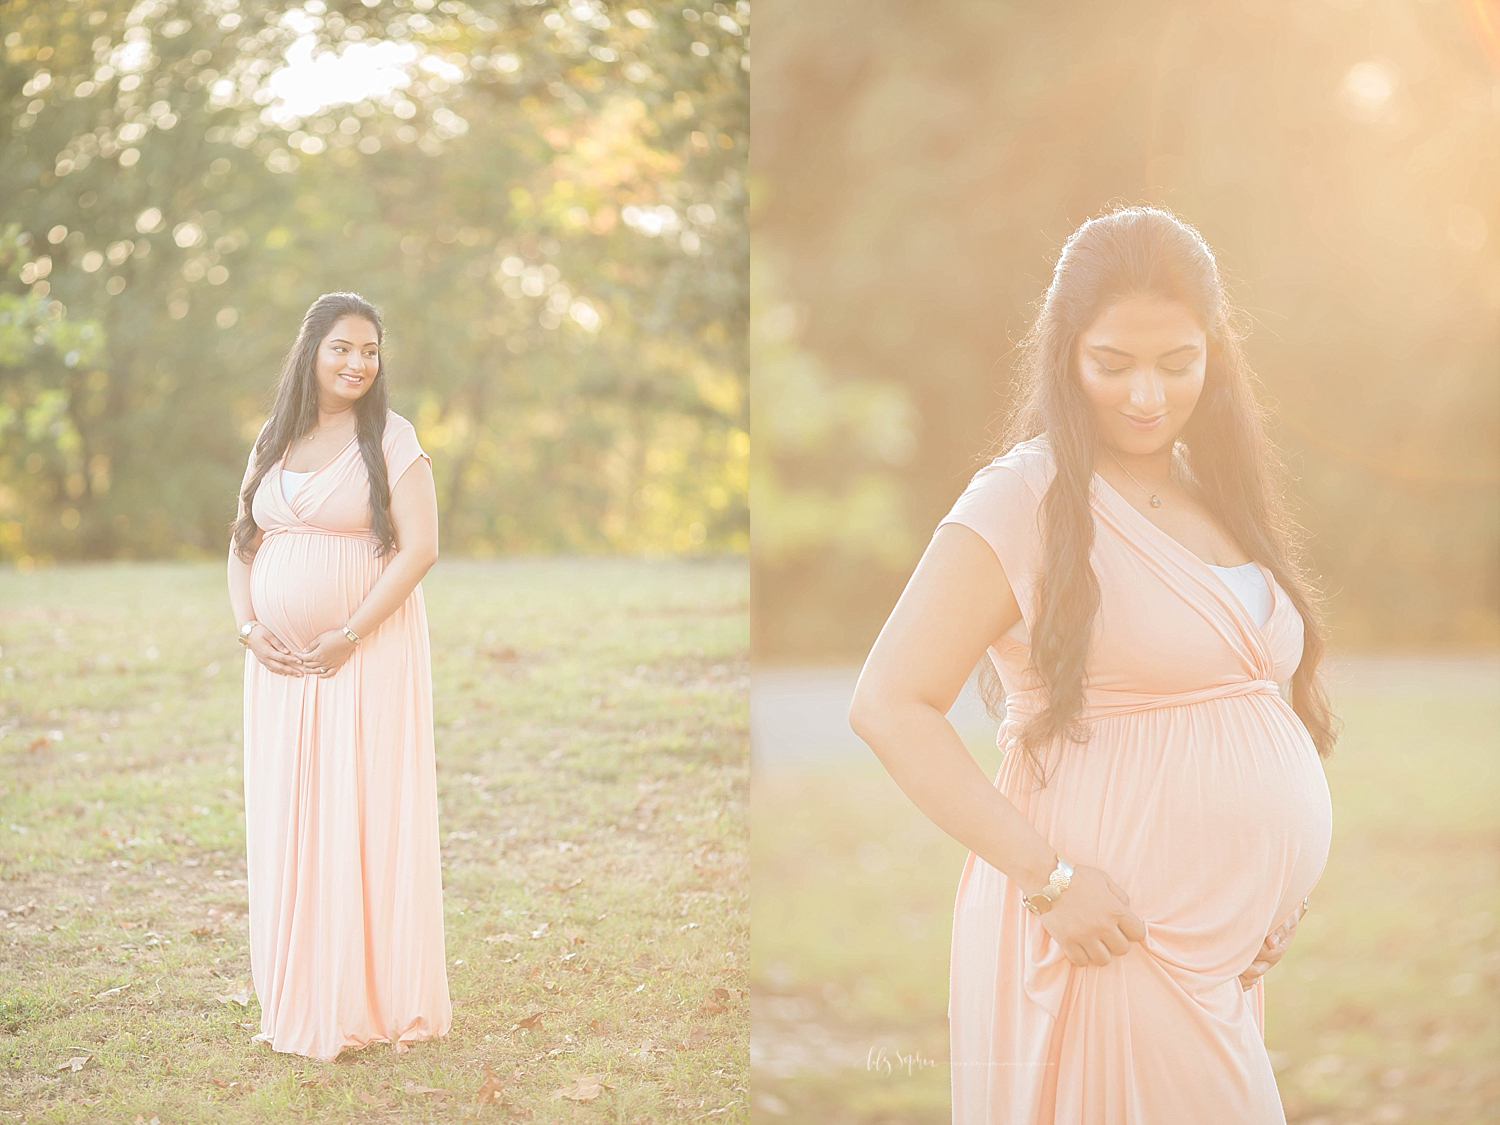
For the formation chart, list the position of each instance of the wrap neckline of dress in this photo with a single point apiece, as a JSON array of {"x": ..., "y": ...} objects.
[
  {"x": 307, "y": 472},
  {"x": 1257, "y": 636},
  {"x": 310, "y": 493}
]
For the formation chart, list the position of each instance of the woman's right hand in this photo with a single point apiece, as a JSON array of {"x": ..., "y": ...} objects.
[
  {"x": 272, "y": 653},
  {"x": 1092, "y": 919}
]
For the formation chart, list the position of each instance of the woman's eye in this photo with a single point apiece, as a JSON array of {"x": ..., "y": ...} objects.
[
  {"x": 1113, "y": 370},
  {"x": 1178, "y": 370}
]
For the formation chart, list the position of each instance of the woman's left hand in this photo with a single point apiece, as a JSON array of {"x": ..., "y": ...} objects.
[
  {"x": 1272, "y": 948},
  {"x": 327, "y": 653}
]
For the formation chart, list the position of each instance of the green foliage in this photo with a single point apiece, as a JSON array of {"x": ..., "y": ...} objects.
[
  {"x": 918, "y": 168},
  {"x": 545, "y": 200}
]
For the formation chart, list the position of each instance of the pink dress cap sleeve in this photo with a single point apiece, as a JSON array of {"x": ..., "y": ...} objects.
[
  {"x": 401, "y": 447},
  {"x": 1001, "y": 506}
]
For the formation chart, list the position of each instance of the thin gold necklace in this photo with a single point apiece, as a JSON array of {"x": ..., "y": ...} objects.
[
  {"x": 1155, "y": 500},
  {"x": 319, "y": 430}
]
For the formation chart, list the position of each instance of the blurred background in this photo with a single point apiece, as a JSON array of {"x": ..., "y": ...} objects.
[
  {"x": 916, "y": 169},
  {"x": 545, "y": 199}
]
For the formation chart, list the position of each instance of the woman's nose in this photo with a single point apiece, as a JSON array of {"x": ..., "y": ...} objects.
[{"x": 1147, "y": 393}]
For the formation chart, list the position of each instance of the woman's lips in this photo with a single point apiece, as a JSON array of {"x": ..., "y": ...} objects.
[
  {"x": 355, "y": 379},
  {"x": 1144, "y": 423}
]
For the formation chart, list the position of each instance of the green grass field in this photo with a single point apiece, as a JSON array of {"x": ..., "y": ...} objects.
[
  {"x": 592, "y": 770},
  {"x": 1385, "y": 1010}
]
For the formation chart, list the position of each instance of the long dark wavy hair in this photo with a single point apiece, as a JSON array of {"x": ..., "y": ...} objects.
[
  {"x": 295, "y": 412},
  {"x": 1225, "y": 459}
]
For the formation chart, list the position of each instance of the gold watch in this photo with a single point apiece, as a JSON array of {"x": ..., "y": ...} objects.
[
  {"x": 245, "y": 632},
  {"x": 1057, "y": 882}
]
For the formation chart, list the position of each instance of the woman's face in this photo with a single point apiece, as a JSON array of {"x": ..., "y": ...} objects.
[
  {"x": 348, "y": 361},
  {"x": 1141, "y": 365}
]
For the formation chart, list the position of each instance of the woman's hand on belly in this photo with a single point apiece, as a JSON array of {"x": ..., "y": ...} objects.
[
  {"x": 272, "y": 653},
  {"x": 328, "y": 651},
  {"x": 1092, "y": 919},
  {"x": 1272, "y": 948}
]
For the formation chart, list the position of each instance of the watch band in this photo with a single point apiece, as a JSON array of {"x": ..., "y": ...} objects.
[
  {"x": 351, "y": 634},
  {"x": 245, "y": 631},
  {"x": 1057, "y": 882}
]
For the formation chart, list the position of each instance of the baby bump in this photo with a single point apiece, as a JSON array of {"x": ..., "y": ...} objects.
[
  {"x": 1213, "y": 817},
  {"x": 306, "y": 583}
]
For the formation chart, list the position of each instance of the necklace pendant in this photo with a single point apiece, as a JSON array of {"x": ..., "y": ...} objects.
[{"x": 1155, "y": 501}]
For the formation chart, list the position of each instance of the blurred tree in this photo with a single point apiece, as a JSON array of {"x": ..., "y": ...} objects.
[
  {"x": 917, "y": 169},
  {"x": 544, "y": 199}
]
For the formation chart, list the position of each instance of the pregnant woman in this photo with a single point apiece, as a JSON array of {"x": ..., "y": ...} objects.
[
  {"x": 1161, "y": 813},
  {"x": 337, "y": 525}
]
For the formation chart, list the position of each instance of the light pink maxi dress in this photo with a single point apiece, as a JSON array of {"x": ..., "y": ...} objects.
[
  {"x": 1200, "y": 794},
  {"x": 341, "y": 828}
]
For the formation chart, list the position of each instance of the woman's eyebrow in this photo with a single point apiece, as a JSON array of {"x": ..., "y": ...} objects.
[
  {"x": 371, "y": 344},
  {"x": 1128, "y": 355}
]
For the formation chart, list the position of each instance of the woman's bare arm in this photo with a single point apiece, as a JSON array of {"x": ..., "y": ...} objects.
[
  {"x": 957, "y": 602},
  {"x": 267, "y": 648},
  {"x": 954, "y": 606}
]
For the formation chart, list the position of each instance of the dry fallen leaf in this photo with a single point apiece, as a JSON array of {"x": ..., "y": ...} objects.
[
  {"x": 212, "y": 928},
  {"x": 573, "y": 937},
  {"x": 585, "y": 1088},
  {"x": 413, "y": 1088},
  {"x": 371, "y": 1099},
  {"x": 242, "y": 997},
  {"x": 508, "y": 938},
  {"x": 490, "y": 1089},
  {"x": 730, "y": 994},
  {"x": 529, "y": 1023},
  {"x": 563, "y": 886},
  {"x": 697, "y": 1037},
  {"x": 315, "y": 1080},
  {"x": 75, "y": 1064},
  {"x": 111, "y": 992},
  {"x": 140, "y": 1119},
  {"x": 597, "y": 1027},
  {"x": 712, "y": 1006}
]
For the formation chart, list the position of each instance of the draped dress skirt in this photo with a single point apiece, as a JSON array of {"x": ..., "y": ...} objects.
[{"x": 1199, "y": 792}]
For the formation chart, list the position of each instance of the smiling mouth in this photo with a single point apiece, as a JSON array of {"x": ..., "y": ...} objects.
[
  {"x": 1134, "y": 420},
  {"x": 356, "y": 379}
]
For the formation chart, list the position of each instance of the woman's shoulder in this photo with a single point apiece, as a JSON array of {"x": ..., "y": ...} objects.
[
  {"x": 397, "y": 429},
  {"x": 1030, "y": 460}
]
